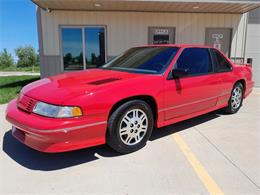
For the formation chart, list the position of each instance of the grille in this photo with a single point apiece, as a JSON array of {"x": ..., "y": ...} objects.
[{"x": 26, "y": 103}]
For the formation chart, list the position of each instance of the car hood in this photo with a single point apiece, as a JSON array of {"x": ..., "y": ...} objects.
[{"x": 57, "y": 89}]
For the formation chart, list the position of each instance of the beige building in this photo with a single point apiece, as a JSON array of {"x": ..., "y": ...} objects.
[{"x": 76, "y": 35}]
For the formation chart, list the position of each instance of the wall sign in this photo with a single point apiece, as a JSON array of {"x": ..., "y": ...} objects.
[
  {"x": 217, "y": 42},
  {"x": 161, "y": 35},
  {"x": 161, "y": 32},
  {"x": 219, "y": 38}
]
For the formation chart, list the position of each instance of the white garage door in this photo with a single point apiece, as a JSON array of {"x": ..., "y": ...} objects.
[{"x": 253, "y": 44}]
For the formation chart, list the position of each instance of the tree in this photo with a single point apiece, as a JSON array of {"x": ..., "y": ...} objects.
[
  {"x": 67, "y": 58},
  {"x": 6, "y": 59},
  {"x": 27, "y": 56}
]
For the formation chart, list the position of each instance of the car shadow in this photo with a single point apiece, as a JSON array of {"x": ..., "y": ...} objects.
[
  {"x": 36, "y": 160},
  {"x": 183, "y": 125}
]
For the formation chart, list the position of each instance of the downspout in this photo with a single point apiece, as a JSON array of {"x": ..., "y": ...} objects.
[
  {"x": 235, "y": 58},
  {"x": 246, "y": 25}
]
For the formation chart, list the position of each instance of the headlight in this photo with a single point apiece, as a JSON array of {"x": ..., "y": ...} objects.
[{"x": 54, "y": 111}]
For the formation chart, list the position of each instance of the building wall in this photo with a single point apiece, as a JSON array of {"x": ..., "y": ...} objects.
[
  {"x": 128, "y": 29},
  {"x": 253, "y": 43}
]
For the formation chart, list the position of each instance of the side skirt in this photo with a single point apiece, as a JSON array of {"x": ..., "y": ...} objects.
[{"x": 189, "y": 116}]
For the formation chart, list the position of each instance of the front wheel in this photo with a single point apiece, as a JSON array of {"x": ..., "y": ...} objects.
[
  {"x": 236, "y": 99},
  {"x": 130, "y": 126}
]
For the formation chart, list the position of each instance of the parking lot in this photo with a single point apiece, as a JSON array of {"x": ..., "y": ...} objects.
[{"x": 211, "y": 154}]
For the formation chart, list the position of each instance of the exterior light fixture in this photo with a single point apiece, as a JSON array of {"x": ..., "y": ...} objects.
[
  {"x": 97, "y": 5},
  {"x": 48, "y": 10}
]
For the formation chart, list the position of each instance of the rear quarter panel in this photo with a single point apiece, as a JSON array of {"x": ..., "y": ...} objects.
[{"x": 244, "y": 72}]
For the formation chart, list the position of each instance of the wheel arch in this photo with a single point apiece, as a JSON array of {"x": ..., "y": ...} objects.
[
  {"x": 243, "y": 82},
  {"x": 150, "y": 100}
]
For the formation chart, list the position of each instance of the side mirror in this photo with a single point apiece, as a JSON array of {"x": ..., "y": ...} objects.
[{"x": 179, "y": 72}]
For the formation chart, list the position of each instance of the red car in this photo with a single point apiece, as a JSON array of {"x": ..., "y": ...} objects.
[{"x": 121, "y": 102}]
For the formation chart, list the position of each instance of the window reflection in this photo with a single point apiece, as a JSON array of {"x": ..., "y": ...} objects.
[
  {"x": 72, "y": 48},
  {"x": 94, "y": 46}
]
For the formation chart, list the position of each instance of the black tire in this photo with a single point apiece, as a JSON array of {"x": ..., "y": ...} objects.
[
  {"x": 231, "y": 109},
  {"x": 113, "y": 137}
]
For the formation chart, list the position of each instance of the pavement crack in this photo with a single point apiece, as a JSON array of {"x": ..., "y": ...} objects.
[{"x": 227, "y": 158}]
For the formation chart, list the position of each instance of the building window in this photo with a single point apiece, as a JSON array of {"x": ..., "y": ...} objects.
[
  {"x": 72, "y": 49},
  {"x": 94, "y": 46},
  {"x": 82, "y": 47}
]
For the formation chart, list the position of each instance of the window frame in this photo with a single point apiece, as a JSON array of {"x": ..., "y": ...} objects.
[
  {"x": 215, "y": 61},
  {"x": 193, "y": 75},
  {"x": 82, "y": 27}
]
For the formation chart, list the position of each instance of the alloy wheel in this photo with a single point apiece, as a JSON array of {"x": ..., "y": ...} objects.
[
  {"x": 133, "y": 127},
  {"x": 236, "y": 97}
]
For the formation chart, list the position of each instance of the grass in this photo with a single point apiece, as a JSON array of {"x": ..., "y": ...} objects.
[
  {"x": 10, "y": 86},
  {"x": 25, "y": 69}
]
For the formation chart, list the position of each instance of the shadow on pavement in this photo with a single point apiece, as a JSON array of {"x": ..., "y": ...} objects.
[
  {"x": 35, "y": 160},
  {"x": 183, "y": 125}
]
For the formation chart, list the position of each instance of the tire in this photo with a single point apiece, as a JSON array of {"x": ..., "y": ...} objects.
[
  {"x": 130, "y": 126},
  {"x": 236, "y": 99}
]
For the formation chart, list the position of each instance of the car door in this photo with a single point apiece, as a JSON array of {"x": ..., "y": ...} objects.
[{"x": 197, "y": 90}]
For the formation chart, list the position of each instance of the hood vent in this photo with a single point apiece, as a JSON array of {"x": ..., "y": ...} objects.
[{"x": 103, "y": 81}]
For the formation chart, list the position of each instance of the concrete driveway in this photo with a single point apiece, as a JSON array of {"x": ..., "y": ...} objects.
[{"x": 211, "y": 154}]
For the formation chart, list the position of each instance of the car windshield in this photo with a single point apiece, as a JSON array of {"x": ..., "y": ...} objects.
[{"x": 149, "y": 60}]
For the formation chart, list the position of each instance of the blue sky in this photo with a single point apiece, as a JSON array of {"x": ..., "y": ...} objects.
[{"x": 17, "y": 24}]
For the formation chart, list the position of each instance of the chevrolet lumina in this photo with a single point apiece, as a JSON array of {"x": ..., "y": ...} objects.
[{"x": 121, "y": 102}]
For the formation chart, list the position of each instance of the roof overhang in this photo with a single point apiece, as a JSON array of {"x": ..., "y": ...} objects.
[{"x": 197, "y": 6}]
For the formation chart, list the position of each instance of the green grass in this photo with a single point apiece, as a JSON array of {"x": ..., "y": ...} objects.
[
  {"x": 25, "y": 69},
  {"x": 10, "y": 86}
]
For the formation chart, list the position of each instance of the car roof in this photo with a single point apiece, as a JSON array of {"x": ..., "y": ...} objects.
[{"x": 177, "y": 45}]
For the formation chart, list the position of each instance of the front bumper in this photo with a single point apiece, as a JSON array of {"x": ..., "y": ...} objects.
[{"x": 55, "y": 135}]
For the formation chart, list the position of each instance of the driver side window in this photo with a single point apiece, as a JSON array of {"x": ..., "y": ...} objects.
[{"x": 195, "y": 61}]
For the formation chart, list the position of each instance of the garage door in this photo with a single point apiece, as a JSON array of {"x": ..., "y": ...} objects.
[{"x": 253, "y": 43}]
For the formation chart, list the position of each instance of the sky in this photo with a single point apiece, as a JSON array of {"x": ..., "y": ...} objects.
[{"x": 17, "y": 24}]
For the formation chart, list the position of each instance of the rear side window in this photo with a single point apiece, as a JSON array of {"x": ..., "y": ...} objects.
[
  {"x": 222, "y": 65},
  {"x": 195, "y": 61}
]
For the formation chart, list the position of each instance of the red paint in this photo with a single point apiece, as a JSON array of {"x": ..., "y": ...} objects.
[{"x": 97, "y": 90}]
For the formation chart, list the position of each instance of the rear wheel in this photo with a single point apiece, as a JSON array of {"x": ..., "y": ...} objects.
[
  {"x": 236, "y": 99},
  {"x": 130, "y": 126}
]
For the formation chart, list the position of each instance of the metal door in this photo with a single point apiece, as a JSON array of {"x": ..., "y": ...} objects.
[{"x": 219, "y": 38}]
